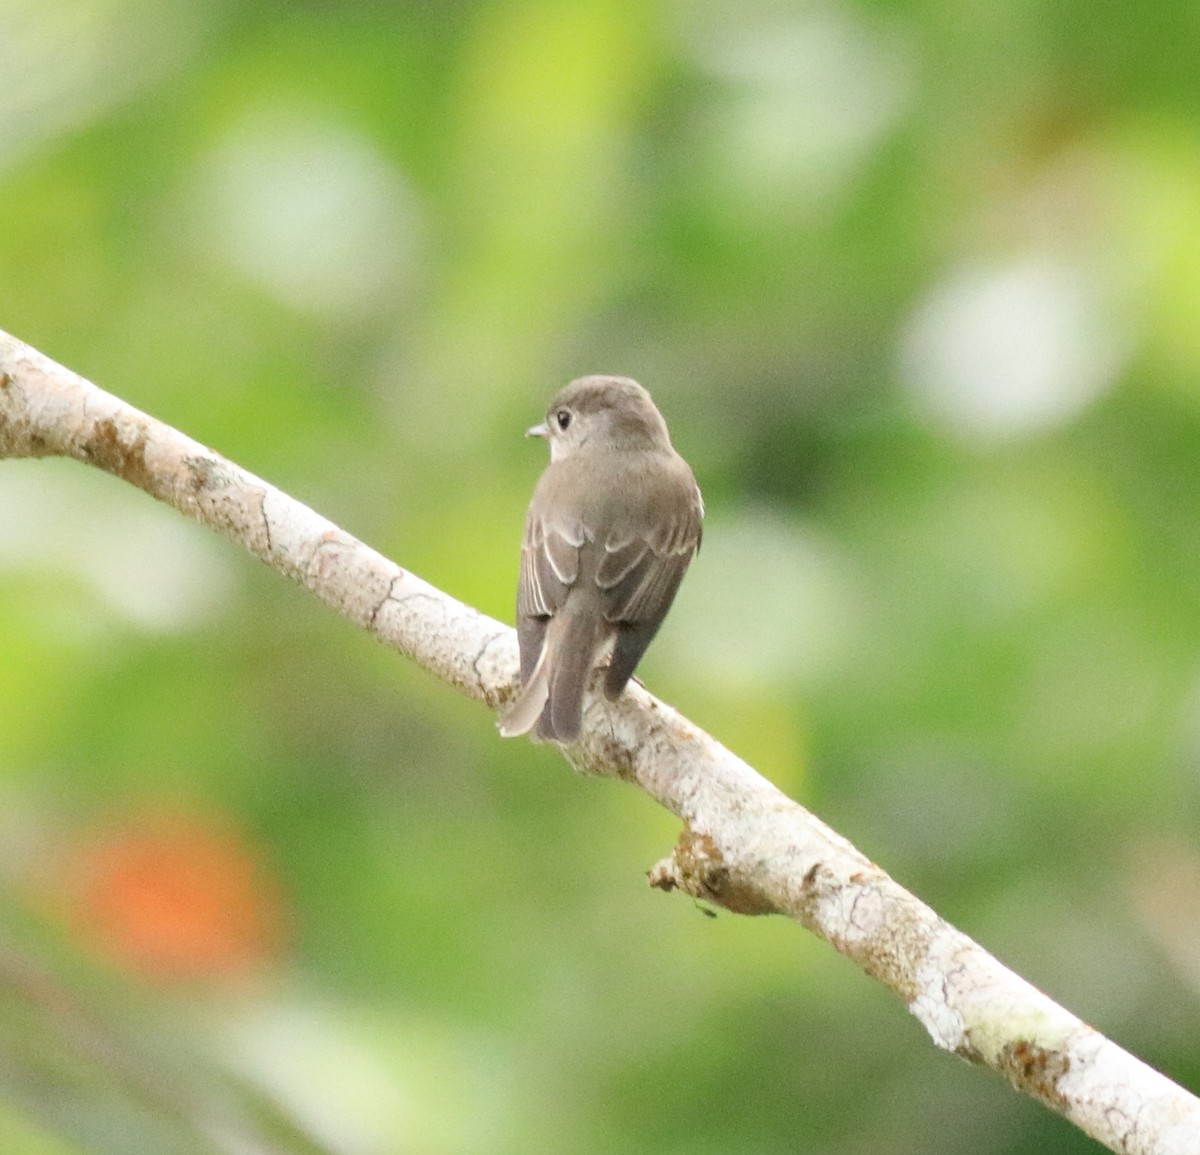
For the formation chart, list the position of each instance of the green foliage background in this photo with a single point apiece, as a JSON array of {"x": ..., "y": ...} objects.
[{"x": 917, "y": 285}]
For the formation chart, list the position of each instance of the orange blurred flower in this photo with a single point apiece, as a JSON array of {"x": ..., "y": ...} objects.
[{"x": 175, "y": 896}]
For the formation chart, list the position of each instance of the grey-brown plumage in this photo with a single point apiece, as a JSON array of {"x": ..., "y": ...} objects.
[{"x": 612, "y": 526}]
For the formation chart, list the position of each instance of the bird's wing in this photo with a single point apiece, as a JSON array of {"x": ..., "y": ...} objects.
[
  {"x": 640, "y": 573},
  {"x": 549, "y": 564}
]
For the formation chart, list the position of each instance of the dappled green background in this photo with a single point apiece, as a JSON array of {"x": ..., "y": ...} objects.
[{"x": 918, "y": 287}]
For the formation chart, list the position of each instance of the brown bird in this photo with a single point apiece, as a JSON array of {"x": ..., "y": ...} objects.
[{"x": 612, "y": 526}]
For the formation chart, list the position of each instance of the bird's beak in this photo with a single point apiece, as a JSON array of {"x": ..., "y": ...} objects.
[{"x": 542, "y": 431}]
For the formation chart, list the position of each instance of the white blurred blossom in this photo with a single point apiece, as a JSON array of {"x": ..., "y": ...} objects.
[
  {"x": 67, "y": 63},
  {"x": 1008, "y": 350},
  {"x": 810, "y": 92},
  {"x": 310, "y": 210},
  {"x": 767, "y": 601},
  {"x": 143, "y": 562}
]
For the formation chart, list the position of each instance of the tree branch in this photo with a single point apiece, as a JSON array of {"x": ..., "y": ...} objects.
[{"x": 745, "y": 846}]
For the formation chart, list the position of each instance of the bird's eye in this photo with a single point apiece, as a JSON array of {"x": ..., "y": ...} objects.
[{"x": 562, "y": 418}]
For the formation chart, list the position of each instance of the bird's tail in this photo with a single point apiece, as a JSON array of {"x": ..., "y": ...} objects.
[
  {"x": 553, "y": 697},
  {"x": 520, "y": 717}
]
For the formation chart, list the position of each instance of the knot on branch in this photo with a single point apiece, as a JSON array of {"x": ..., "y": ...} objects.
[
  {"x": 1036, "y": 1070},
  {"x": 697, "y": 867},
  {"x": 120, "y": 450}
]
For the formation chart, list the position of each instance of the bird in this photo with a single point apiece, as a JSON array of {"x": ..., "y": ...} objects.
[{"x": 613, "y": 525}]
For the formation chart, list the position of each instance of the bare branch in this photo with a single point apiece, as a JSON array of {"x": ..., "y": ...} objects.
[{"x": 745, "y": 846}]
